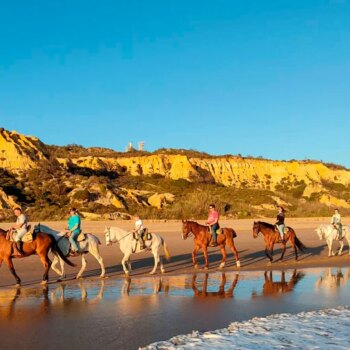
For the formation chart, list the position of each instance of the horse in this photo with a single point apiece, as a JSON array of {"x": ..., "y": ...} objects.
[
  {"x": 272, "y": 237},
  {"x": 129, "y": 245},
  {"x": 88, "y": 245},
  {"x": 330, "y": 233},
  {"x": 41, "y": 244},
  {"x": 202, "y": 238}
]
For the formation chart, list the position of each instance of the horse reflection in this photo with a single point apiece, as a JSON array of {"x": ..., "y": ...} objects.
[
  {"x": 221, "y": 292},
  {"x": 332, "y": 281},
  {"x": 57, "y": 295},
  {"x": 273, "y": 288},
  {"x": 157, "y": 285}
]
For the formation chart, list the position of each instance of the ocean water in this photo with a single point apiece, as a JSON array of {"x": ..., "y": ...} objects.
[{"x": 324, "y": 329}]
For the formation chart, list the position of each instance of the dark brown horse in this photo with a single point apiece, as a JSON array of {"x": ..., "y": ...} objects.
[
  {"x": 202, "y": 239},
  {"x": 42, "y": 244},
  {"x": 272, "y": 237}
]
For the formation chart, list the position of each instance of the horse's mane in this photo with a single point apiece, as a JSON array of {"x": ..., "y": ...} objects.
[
  {"x": 194, "y": 222},
  {"x": 266, "y": 224}
]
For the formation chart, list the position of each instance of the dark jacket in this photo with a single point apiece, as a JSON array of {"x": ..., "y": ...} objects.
[{"x": 280, "y": 219}]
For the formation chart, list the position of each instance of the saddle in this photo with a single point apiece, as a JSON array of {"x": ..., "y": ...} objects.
[
  {"x": 285, "y": 231},
  {"x": 219, "y": 231},
  {"x": 27, "y": 238},
  {"x": 147, "y": 236}
]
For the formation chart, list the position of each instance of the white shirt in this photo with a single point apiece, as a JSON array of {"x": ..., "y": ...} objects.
[
  {"x": 336, "y": 219},
  {"x": 138, "y": 225},
  {"x": 22, "y": 219}
]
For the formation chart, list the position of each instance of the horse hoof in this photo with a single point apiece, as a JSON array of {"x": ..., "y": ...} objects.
[
  {"x": 269, "y": 263},
  {"x": 196, "y": 266},
  {"x": 103, "y": 276},
  {"x": 238, "y": 263},
  {"x": 59, "y": 280},
  {"x": 205, "y": 268},
  {"x": 162, "y": 270},
  {"x": 152, "y": 272},
  {"x": 43, "y": 282},
  {"x": 18, "y": 284}
]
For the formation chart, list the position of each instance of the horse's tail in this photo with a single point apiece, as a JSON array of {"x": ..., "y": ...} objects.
[
  {"x": 299, "y": 244},
  {"x": 166, "y": 251},
  {"x": 56, "y": 250}
]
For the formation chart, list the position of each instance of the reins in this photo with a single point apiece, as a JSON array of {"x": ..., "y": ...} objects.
[{"x": 118, "y": 240}]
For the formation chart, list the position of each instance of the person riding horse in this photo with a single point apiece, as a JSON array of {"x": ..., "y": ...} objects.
[
  {"x": 19, "y": 230},
  {"x": 139, "y": 229},
  {"x": 74, "y": 230},
  {"x": 336, "y": 222},
  {"x": 280, "y": 222},
  {"x": 213, "y": 222}
]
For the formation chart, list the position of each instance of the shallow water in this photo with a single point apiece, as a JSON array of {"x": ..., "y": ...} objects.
[{"x": 126, "y": 314}]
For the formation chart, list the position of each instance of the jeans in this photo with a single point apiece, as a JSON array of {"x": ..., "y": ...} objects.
[
  {"x": 72, "y": 240},
  {"x": 213, "y": 230},
  {"x": 281, "y": 229}
]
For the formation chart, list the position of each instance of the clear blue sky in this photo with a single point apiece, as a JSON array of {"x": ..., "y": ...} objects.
[{"x": 269, "y": 78}]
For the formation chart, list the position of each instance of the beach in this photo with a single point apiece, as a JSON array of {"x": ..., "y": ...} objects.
[
  {"x": 251, "y": 251},
  {"x": 143, "y": 311}
]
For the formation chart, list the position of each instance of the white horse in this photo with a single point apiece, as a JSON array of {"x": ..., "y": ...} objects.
[
  {"x": 129, "y": 245},
  {"x": 330, "y": 233},
  {"x": 88, "y": 245}
]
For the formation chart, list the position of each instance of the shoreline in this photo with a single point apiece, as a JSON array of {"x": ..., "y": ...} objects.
[{"x": 251, "y": 252}]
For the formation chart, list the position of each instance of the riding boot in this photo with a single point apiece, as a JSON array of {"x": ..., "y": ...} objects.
[
  {"x": 19, "y": 248},
  {"x": 142, "y": 243}
]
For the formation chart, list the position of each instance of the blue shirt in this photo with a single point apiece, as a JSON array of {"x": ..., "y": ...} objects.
[{"x": 72, "y": 221}]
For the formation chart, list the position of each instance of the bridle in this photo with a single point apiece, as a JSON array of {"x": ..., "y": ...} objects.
[{"x": 109, "y": 242}]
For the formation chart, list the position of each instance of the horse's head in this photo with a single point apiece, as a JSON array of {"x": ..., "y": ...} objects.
[
  {"x": 186, "y": 229},
  {"x": 256, "y": 229},
  {"x": 107, "y": 233}
]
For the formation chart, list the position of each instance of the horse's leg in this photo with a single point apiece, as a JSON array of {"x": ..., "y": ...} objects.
[
  {"x": 155, "y": 253},
  {"x": 162, "y": 269},
  {"x": 96, "y": 254},
  {"x": 46, "y": 262},
  {"x": 224, "y": 255},
  {"x": 205, "y": 252},
  {"x": 53, "y": 266},
  {"x": 129, "y": 265},
  {"x": 285, "y": 247},
  {"x": 83, "y": 266},
  {"x": 195, "y": 251},
  {"x": 341, "y": 247},
  {"x": 9, "y": 263},
  {"x": 330, "y": 251},
  {"x": 124, "y": 260},
  {"x": 235, "y": 253}
]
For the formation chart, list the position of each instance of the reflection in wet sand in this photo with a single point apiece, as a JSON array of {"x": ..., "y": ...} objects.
[
  {"x": 331, "y": 281},
  {"x": 154, "y": 286},
  {"x": 221, "y": 292},
  {"x": 276, "y": 288}
]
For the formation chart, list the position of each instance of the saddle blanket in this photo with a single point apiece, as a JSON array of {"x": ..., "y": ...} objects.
[{"x": 28, "y": 237}]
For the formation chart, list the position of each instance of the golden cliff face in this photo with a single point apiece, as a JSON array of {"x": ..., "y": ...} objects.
[
  {"x": 19, "y": 152},
  {"x": 229, "y": 171}
]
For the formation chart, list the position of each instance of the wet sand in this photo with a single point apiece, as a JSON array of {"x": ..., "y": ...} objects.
[
  {"x": 251, "y": 251},
  {"x": 129, "y": 313}
]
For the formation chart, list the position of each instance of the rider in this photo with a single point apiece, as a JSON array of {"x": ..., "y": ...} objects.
[
  {"x": 73, "y": 229},
  {"x": 19, "y": 229},
  {"x": 139, "y": 229},
  {"x": 336, "y": 222},
  {"x": 213, "y": 222},
  {"x": 280, "y": 221}
]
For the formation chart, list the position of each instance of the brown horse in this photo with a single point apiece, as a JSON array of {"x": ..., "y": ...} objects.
[
  {"x": 42, "y": 243},
  {"x": 272, "y": 237},
  {"x": 202, "y": 239}
]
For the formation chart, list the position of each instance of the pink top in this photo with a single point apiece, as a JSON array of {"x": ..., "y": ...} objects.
[{"x": 213, "y": 217}]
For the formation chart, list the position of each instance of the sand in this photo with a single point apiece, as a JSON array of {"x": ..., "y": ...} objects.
[{"x": 251, "y": 251}]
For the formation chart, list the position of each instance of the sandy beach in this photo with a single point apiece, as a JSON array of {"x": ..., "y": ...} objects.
[{"x": 251, "y": 251}]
